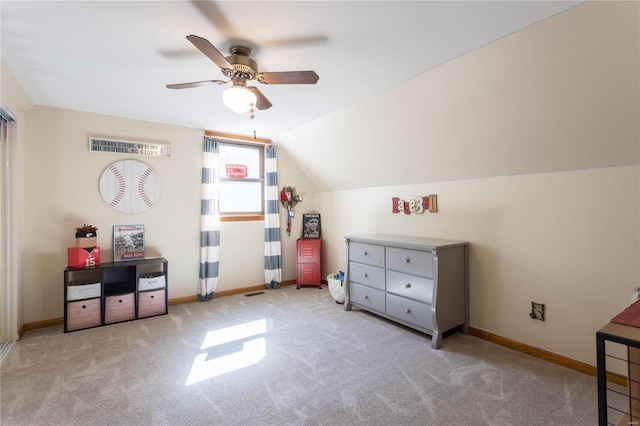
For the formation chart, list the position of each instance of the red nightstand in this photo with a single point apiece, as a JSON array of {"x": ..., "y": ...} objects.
[{"x": 308, "y": 262}]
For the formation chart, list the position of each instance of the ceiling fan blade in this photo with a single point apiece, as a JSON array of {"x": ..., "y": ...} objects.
[
  {"x": 288, "y": 77},
  {"x": 261, "y": 100},
  {"x": 194, "y": 84},
  {"x": 211, "y": 11},
  {"x": 210, "y": 51}
]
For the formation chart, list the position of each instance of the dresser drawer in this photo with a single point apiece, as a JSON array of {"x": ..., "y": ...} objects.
[
  {"x": 83, "y": 291},
  {"x": 83, "y": 314},
  {"x": 411, "y": 286},
  {"x": 119, "y": 308},
  {"x": 151, "y": 303},
  {"x": 413, "y": 262},
  {"x": 367, "y": 275},
  {"x": 368, "y": 297},
  {"x": 410, "y": 311},
  {"x": 370, "y": 254}
]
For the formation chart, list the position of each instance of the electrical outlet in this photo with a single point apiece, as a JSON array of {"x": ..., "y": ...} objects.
[{"x": 537, "y": 311}]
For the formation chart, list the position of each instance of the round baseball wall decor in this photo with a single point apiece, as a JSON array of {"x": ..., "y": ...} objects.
[{"x": 130, "y": 186}]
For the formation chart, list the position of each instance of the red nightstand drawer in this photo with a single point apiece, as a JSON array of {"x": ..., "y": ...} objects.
[
  {"x": 308, "y": 251},
  {"x": 309, "y": 274}
]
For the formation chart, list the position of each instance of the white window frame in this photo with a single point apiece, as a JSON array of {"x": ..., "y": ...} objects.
[{"x": 241, "y": 141}]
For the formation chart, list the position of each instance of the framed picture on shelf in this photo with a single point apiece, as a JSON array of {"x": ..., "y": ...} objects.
[
  {"x": 311, "y": 226},
  {"x": 128, "y": 242}
]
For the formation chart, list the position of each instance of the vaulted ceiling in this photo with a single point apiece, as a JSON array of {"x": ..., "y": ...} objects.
[{"x": 116, "y": 57}]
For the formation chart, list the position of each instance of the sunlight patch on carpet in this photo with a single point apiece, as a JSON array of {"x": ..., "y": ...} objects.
[{"x": 253, "y": 351}]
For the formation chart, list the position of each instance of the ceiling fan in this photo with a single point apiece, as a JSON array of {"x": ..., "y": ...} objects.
[{"x": 240, "y": 69}]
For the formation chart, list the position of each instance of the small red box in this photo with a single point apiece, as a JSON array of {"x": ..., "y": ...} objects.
[{"x": 78, "y": 257}]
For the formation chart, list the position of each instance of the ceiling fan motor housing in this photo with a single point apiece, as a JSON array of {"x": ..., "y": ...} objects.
[{"x": 243, "y": 65}]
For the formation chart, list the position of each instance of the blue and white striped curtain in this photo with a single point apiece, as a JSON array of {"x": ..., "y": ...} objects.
[
  {"x": 272, "y": 247},
  {"x": 209, "y": 221}
]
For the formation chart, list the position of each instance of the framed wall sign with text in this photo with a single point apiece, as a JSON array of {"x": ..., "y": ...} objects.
[
  {"x": 128, "y": 242},
  {"x": 311, "y": 225}
]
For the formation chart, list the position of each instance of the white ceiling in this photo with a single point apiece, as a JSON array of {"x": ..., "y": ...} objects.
[{"x": 115, "y": 57}]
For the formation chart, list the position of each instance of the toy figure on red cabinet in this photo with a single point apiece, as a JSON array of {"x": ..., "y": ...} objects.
[{"x": 86, "y": 253}]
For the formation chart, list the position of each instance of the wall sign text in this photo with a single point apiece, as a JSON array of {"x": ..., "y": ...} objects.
[{"x": 115, "y": 146}]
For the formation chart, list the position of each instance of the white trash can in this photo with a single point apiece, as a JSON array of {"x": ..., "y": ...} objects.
[{"x": 335, "y": 288}]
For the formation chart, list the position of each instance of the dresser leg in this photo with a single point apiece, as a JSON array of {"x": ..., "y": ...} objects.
[{"x": 436, "y": 340}]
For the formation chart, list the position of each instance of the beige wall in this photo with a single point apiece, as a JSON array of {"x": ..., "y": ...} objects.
[
  {"x": 61, "y": 186},
  {"x": 61, "y": 192},
  {"x": 18, "y": 102},
  {"x": 532, "y": 146},
  {"x": 291, "y": 173},
  {"x": 567, "y": 239}
]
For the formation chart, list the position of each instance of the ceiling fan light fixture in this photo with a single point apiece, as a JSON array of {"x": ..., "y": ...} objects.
[{"x": 238, "y": 99}]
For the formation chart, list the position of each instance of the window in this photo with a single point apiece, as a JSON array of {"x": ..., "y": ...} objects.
[{"x": 241, "y": 176}]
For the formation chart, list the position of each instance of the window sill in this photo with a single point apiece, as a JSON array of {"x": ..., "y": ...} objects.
[{"x": 241, "y": 218}]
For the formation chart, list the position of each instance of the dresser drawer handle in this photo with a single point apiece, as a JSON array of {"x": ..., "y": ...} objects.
[
  {"x": 84, "y": 306},
  {"x": 407, "y": 260},
  {"x": 407, "y": 311},
  {"x": 365, "y": 297},
  {"x": 407, "y": 285},
  {"x": 365, "y": 275},
  {"x": 119, "y": 300},
  {"x": 365, "y": 253},
  {"x": 152, "y": 296}
]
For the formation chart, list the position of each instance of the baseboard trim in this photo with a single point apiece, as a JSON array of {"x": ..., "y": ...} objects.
[
  {"x": 181, "y": 300},
  {"x": 39, "y": 324},
  {"x": 250, "y": 289},
  {"x": 177, "y": 301},
  {"x": 548, "y": 356}
]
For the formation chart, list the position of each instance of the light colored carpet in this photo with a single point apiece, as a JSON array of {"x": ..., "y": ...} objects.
[{"x": 283, "y": 357}]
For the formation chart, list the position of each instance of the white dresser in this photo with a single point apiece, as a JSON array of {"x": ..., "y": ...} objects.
[{"x": 419, "y": 282}]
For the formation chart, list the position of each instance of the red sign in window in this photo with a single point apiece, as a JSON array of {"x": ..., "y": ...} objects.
[{"x": 236, "y": 171}]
